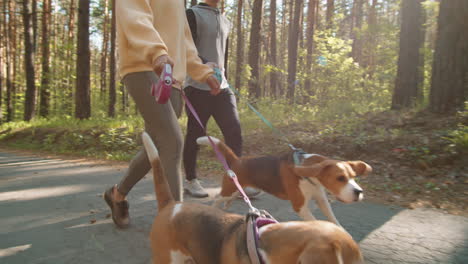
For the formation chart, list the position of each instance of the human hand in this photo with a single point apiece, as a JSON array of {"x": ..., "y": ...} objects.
[
  {"x": 212, "y": 64},
  {"x": 159, "y": 63},
  {"x": 214, "y": 85}
]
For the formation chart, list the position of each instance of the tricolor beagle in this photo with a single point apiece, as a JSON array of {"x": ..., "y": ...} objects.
[
  {"x": 196, "y": 233},
  {"x": 281, "y": 177}
]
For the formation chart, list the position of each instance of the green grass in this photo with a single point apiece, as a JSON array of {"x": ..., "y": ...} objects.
[{"x": 119, "y": 138}]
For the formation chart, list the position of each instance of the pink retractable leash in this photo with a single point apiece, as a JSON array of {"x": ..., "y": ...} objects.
[{"x": 162, "y": 89}]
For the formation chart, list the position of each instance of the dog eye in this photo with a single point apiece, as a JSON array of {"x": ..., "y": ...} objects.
[{"x": 342, "y": 179}]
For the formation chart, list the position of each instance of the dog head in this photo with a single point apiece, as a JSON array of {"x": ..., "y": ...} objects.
[{"x": 338, "y": 177}]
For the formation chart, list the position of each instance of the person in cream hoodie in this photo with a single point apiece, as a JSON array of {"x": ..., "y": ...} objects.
[{"x": 150, "y": 34}]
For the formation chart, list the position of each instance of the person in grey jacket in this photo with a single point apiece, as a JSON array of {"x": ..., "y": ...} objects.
[{"x": 210, "y": 30}]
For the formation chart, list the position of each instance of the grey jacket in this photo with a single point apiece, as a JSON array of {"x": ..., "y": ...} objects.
[{"x": 212, "y": 30}]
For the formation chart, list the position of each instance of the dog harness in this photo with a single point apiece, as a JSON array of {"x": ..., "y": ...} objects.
[{"x": 255, "y": 220}]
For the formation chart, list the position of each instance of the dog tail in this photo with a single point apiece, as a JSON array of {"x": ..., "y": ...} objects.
[
  {"x": 161, "y": 187},
  {"x": 227, "y": 152}
]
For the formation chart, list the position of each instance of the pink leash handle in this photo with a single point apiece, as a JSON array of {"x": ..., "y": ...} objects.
[{"x": 162, "y": 89}]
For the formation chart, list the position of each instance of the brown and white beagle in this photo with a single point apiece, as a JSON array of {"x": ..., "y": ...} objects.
[
  {"x": 283, "y": 178},
  {"x": 196, "y": 233}
]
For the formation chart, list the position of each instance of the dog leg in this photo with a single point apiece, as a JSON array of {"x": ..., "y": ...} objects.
[
  {"x": 305, "y": 213},
  {"x": 324, "y": 205}
]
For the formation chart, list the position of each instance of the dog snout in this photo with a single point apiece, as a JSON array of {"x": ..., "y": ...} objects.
[
  {"x": 358, "y": 195},
  {"x": 357, "y": 192}
]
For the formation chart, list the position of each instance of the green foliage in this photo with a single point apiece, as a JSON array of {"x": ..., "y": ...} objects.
[{"x": 458, "y": 140}]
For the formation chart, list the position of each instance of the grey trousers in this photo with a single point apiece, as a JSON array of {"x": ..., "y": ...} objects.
[{"x": 162, "y": 126}]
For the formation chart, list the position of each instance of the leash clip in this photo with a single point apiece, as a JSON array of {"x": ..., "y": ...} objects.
[{"x": 231, "y": 174}]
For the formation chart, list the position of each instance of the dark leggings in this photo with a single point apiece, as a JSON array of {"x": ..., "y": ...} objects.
[
  {"x": 223, "y": 108},
  {"x": 162, "y": 126}
]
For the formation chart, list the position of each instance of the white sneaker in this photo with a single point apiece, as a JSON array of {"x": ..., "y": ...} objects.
[
  {"x": 195, "y": 189},
  {"x": 252, "y": 192}
]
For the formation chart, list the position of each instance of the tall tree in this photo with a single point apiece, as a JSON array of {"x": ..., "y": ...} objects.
[
  {"x": 411, "y": 40},
  {"x": 9, "y": 16},
  {"x": 358, "y": 14},
  {"x": 71, "y": 23},
  {"x": 292, "y": 49},
  {"x": 30, "y": 98},
  {"x": 255, "y": 44},
  {"x": 112, "y": 90},
  {"x": 240, "y": 45},
  {"x": 371, "y": 38},
  {"x": 449, "y": 88},
  {"x": 273, "y": 57},
  {"x": 105, "y": 46},
  {"x": 310, "y": 31},
  {"x": 2, "y": 62},
  {"x": 34, "y": 23},
  {"x": 82, "y": 94},
  {"x": 45, "y": 80},
  {"x": 330, "y": 12}
]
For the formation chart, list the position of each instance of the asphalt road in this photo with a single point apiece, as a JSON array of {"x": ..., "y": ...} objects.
[{"x": 51, "y": 211}]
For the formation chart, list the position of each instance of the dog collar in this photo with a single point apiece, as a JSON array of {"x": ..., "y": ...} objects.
[
  {"x": 298, "y": 155},
  {"x": 254, "y": 222}
]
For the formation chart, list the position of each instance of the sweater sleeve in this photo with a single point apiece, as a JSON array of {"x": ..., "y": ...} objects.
[
  {"x": 195, "y": 68},
  {"x": 136, "y": 20}
]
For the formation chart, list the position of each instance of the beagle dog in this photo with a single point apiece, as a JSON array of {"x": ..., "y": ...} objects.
[
  {"x": 196, "y": 233},
  {"x": 287, "y": 180}
]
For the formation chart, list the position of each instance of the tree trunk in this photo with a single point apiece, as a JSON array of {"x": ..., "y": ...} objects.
[
  {"x": 330, "y": 12},
  {"x": 255, "y": 44},
  {"x": 449, "y": 86},
  {"x": 45, "y": 81},
  {"x": 112, "y": 91},
  {"x": 14, "y": 62},
  {"x": 282, "y": 48},
  {"x": 240, "y": 46},
  {"x": 371, "y": 39},
  {"x": 30, "y": 97},
  {"x": 104, "y": 48},
  {"x": 34, "y": 23},
  {"x": 2, "y": 62},
  {"x": 292, "y": 49},
  {"x": 310, "y": 31},
  {"x": 7, "y": 18},
  {"x": 69, "y": 66},
  {"x": 82, "y": 95},
  {"x": 356, "y": 52},
  {"x": 406, "y": 85},
  {"x": 273, "y": 61},
  {"x": 421, "y": 62}
]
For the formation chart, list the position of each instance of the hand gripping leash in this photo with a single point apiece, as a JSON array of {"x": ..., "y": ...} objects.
[{"x": 162, "y": 89}]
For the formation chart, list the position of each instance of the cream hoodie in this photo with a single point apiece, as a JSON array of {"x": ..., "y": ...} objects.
[{"x": 147, "y": 29}]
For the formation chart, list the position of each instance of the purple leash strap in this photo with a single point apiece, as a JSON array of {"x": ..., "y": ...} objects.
[{"x": 220, "y": 157}]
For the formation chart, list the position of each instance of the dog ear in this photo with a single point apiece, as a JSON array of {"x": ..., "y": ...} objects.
[
  {"x": 361, "y": 168},
  {"x": 311, "y": 159},
  {"x": 310, "y": 171}
]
